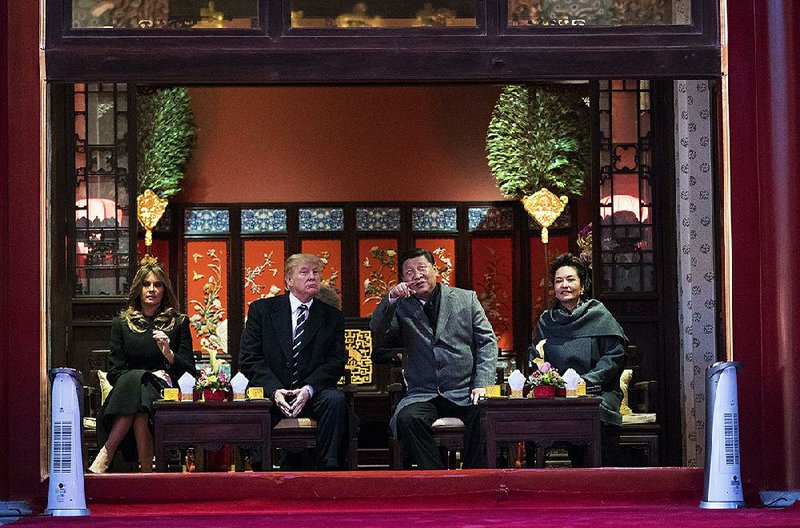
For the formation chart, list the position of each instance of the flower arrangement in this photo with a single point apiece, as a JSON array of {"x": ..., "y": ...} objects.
[
  {"x": 585, "y": 244},
  {"x": 546, "y": 375},
  {"x": 211, "y": 377}
]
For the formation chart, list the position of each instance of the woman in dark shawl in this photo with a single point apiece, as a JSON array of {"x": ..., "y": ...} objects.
[
  {"x": 583, "y": 335},
  {"x": 151, "y": 347}
]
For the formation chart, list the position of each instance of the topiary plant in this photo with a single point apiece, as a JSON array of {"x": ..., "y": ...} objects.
[
  {"x": 166, "y": 137},
  {"x": 539, "y": 137}
]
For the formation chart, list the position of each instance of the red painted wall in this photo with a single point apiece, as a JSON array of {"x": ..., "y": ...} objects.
[
  {"x": 19, "y": 196},
  {"x": 765, "y": 154},
  {"x": 272, "y": 144}
]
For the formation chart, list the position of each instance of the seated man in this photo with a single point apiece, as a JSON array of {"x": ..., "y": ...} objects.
[
  {"x": 450, "y": 357},
  {"x": 293, "y": 347}
]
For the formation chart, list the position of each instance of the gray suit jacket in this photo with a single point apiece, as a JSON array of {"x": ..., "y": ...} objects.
[{"x": 461, "y": 356}]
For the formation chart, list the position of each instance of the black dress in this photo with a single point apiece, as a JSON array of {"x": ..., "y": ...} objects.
[{"x": 131, "y": 361}]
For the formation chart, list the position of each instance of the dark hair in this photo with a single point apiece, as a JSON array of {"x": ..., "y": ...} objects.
[
  {"x": 414, "y": 253},
  {"x": 568, "y": 259},
  {"x": 167, "y": 313}
]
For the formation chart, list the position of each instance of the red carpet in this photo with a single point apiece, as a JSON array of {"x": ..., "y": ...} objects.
[{"x": 502, "y": 498}]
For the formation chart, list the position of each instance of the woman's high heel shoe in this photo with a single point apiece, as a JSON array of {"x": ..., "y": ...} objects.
[{"x": 101, "y": 462}]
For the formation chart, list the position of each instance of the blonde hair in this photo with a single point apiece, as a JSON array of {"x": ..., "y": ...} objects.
[
  {"x": 166, "y": 315},
  {"x": 298, "y": 259}
]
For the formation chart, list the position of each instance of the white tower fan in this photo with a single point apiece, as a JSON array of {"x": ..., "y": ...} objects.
[
  {"x": 723, "y": 478},
  {"x": 66, "y": 496}
]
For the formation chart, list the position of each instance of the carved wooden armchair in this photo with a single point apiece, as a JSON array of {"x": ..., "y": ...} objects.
[{"x": 448, "y": 433}]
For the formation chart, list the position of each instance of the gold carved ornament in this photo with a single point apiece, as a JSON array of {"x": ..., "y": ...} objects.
[
  {"x": 359, "y": 355},
  {"x": 150, "y": 209},
  {"x": 544, "y": 207}
]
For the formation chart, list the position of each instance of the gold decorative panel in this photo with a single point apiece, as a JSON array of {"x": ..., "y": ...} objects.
[{"x": 359, "y": 355}]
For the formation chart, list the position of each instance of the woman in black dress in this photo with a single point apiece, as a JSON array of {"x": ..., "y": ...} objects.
[{"x": 151, "y": 348}]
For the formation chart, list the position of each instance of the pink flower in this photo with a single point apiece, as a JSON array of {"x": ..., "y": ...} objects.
[{"x": 545, "y": 367}]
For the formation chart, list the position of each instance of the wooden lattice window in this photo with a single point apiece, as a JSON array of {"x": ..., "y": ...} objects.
[
  {"x": 101, "y": 250},
  {"x": 627, "y": 262}
]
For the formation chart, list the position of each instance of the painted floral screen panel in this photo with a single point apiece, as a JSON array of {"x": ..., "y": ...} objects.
[
  {"x": 263, "y": 269},
  {"x": 330, "y": 251},
  {"x": 541, "y": 289},
  {"x": 444, "y": 254},
  {"x": 377, "y": 271},
  {"x": 207, "y": 293},
  {"x": 492, "y": 280}
]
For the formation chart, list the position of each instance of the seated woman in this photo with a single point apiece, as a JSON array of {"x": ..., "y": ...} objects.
[
  {"x": 583, "y": 335},
  {"x": 151, "y": 348}
]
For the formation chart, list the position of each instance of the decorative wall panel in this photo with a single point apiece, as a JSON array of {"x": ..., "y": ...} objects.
[
  {"x": 490, "y": 218},
  {"x": 358, "y": 343},
  {"x": 321, "y": 219},
  {"x": 207, "y": 293},
  {"x": 434, "y": 219},
  {"x": 492, "y": 280},
  {"x": 330, "y": 251},
  {"x": 263, "y": 269},
  {"x": 206, "y": 221},
  {"x": 444, "y": 251},
  {"x": 263, "y": 221},
  {"x": 377, "y": 271},
  {"x": 378, "y": 218}
]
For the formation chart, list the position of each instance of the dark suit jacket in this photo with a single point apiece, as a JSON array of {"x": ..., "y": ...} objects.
[
  {"x": 460, "y": 356},
  {"x": 265, "y": 351}
]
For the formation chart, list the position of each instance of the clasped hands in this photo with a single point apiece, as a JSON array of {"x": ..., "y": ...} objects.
[
  {"x": 291, "y": 401},
  {"x": 162, "y": 341}
]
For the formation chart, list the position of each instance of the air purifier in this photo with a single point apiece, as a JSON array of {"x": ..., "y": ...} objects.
[
  {"x": 723, "y": 479},
  {"x": 66, "y": 496}
]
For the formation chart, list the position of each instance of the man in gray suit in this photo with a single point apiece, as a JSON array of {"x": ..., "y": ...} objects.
[{"x": 450, "y": 357}]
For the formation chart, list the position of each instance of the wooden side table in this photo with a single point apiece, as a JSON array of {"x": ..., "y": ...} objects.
[
  {"x": 211, "y": 424},
  {"x": 543, "y": 421}
]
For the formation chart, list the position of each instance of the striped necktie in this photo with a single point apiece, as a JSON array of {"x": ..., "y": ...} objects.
[{"x": 297, "y": 342}]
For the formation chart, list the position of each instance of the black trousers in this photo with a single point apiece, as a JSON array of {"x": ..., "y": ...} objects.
[
  {"x": 414, "y": 423},
  {"x": 329, "y": 408}
]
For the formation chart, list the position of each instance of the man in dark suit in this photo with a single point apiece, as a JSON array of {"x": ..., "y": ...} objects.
[
  {"x": 450, "y": 357},
  {"x": 293, "y": 347}
]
